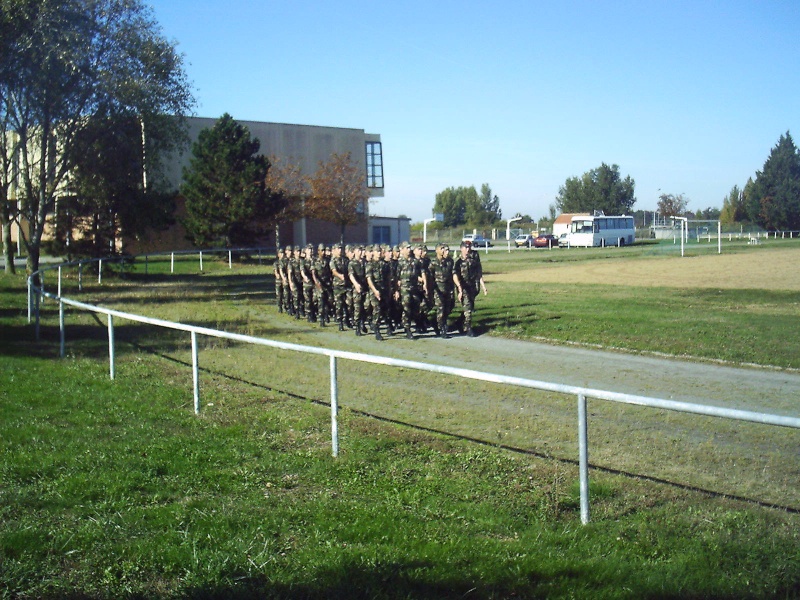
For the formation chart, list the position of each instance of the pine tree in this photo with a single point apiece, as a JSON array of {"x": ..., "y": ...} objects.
[
  {"x": 224, "y": 187},
  {"x": 775, "y": 199}
]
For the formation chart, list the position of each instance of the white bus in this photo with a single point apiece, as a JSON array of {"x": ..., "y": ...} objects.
[{"x": 601, "y": 231}]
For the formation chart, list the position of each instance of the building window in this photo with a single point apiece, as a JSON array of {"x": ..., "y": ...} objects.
[
  {"x": 374, "y": 165},
  {"x": 381, "y": 234}
]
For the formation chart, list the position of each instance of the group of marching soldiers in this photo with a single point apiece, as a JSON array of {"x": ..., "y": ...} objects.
[{"x": 396, "y": 288}]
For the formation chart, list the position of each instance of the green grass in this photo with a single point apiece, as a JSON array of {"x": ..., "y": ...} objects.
[{"x": 116, "y": 489}]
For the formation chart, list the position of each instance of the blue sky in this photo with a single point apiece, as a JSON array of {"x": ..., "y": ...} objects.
[{"x": 686, "y": 97}]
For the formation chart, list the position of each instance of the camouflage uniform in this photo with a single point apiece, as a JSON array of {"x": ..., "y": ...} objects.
[
  {"x": 308, "y": 283},
  {"x": 468, "y": 273},
  {"x": 341, "y": 285},
  {"x": 296, "y": 284},
  {"x": 443, "y": 297},
  {"x": 408, "y": 284},
  {"x": 357, "y": 273},
  {"x": 378, "y": 275},
  {"x": 323, "y": 277},
  {"x": 280, "y": 289}
]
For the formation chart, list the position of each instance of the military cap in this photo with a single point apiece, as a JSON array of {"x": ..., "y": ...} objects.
[
  {"x": 297, "y": 248},
  {"x": 321, "y": 247},
  {"x": 288, "y": 248},
  {"x": 377, "y": 248},
  {"x": 405, "y": 245},
  {"x": 396, "y": 248}
]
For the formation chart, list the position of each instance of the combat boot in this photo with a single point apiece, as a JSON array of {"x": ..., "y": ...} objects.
[
  {"x": 409, "y": 335},
  {"x": 341, "y": 325},
  {"x": 358, "y": 328},
  {"x": 443, "y": 331},
  {"x": 378, "y": 335},
  {"x": 469, "y": 331}
]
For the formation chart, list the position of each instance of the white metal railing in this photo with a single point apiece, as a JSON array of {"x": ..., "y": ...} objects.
[{"x": 582, "y": 393}]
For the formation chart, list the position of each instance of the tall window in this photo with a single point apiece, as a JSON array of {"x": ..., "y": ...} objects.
[{"x": 374, "y": 165}]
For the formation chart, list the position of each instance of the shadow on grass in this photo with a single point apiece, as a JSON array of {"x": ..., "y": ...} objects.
[{"x": 393, "y": 580}]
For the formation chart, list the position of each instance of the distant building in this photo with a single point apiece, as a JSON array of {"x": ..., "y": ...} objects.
[
  {"x": 389, "y": 230},
  {"x": 305, "y": 145}
]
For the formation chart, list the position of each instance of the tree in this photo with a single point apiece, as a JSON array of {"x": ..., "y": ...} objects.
[
  {"x": 601, "y": 189},
  {"x": 288, "y": 189},
  {"x": 64, "y": 62},
  {"x": 452, "y": 204},
  {"x": 775, "y": 199},
  {"x": 488, "y": 208},
  {"x": 672, "y": 205},
  {"x": 225, "y": 187},
  {"x": 733, "y": 209},
  {"x": 463, "y": 205},
  {"x": 339, "y": 192}
]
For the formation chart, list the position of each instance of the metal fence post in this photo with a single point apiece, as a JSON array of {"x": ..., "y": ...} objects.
[
  {"x": 111, "y": 366},
  {"x": 59, "y": 281},
  {"x": 30, "y": 300},
  {"x": 583, "y": 450},
  {"x": 172, "y": 263},
  {"x": 100, "y": 271},
  {"x": 334, "y": 409},
  {"x": 230, "y": 259},
  {"x": 201, "y": 260},
  {"x": 37, "y": 294},
  {"x": 195, "y": 374},
  {"x": 80, "y": 276},
  {"x": 61, "y": 326}
]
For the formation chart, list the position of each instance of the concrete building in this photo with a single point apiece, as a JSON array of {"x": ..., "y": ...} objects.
[
  {"x": 389, "y": 230},
  {"x": 304, "y": 145}
]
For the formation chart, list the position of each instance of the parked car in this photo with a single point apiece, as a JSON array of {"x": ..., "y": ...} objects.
[
  {"x": 478, "y": 241},
  {"x": 523, "y": 240},
  {"x": 546, "y": 240},
  {"x": 563, "y": 240}
]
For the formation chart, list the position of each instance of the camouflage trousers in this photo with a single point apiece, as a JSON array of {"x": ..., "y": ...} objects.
[
  {"x": 308, "y": 297},
  {"x": 468, "y": 304},
  {"x": 380, "y": 309},
  {"x": 444, "y": 301},
  {"x": 340, "y": 304},
  {"x": 410, "y": 301}
]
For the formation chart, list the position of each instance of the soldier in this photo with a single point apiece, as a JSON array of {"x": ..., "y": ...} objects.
[
  {"x": 357, "y": 273},
  {"x": 321, "y": 272},
  {"x": 341, "y": 284},
  {"x": 296, "y": 283},
  {"x": 443, "y": 285},
  {"x": 468, "y": 276},
  {"x": 397, "y": 307},
  {"x": 306, "y": 262},
  {"x": 422, "y": 261},
  {"x": 280, "y": 287},
  {"x": 408, "y": 287},
  {"x": 380, "y": 289}
]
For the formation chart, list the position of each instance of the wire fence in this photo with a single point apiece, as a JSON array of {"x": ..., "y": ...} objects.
[{"x": 36, "y": 293}]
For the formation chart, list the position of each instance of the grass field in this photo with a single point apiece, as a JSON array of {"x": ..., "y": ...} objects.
[{"x": 116, "y": 489}]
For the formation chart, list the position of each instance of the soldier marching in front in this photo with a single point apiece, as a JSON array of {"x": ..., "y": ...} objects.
[
  {"x": 356, "y": 272},
  {"x": 468, "y": 277},
  {"x": 323, "y": 280},
  {"x": 443, "y": 288}
]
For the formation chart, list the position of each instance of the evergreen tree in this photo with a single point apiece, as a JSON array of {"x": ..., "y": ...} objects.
[
  {"x": 733, "y": 207},
  {"x": 775, "y": 199},
  {"x": 224, "y": 187}
]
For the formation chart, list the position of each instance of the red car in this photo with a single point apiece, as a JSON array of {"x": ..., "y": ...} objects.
[{"x": 546, "y": 240}]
